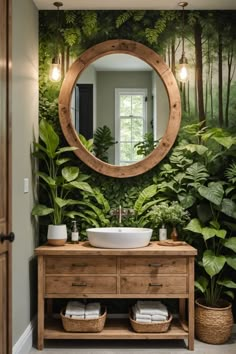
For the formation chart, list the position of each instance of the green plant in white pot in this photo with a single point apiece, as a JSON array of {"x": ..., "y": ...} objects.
[{"x": 58, "y": 180}]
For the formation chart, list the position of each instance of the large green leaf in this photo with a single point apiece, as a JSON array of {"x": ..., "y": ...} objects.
[
  {"x": 228, "y": 283},
  {"x": 214, "y": 192},
  {"x": 230, "y": 293},
  {"x": 228, "y": 207},
  {"x": 201, "y": 284},
  {"x": 66, "y": 149},
  {"x": 213, "y": 264},
  {"x": 84, "y": 186},
  {"x": 231, "y": 261},
  {"x": 49, "y": 180},
  {"x": 186, "y": 200},
  {"x": 199, "y": 149},
  {"x": 208, "y": 232},
  {"x": 144, "y": 196},
  {"x": 230, "y": 243},
  {"x": 194, "y": 226},
  {"x": 226, "y": 141},
  {"x": 60, "y": 162},
  {"x": 49, "y": 137},
  {"x": 70, "y": 173},
  {"x": 101, "y": 199},
  {"x": 41, "y": 210},
  {"x": 61, "y": 202},
  {"x": 204, "y": 212}
]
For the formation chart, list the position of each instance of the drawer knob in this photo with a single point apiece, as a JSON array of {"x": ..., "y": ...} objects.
[
  {"x": 155, "y": 265},
  {"x": 79, "y": 284},
  {"x": 79, "y": 264},
  {"x": 153, "y": 284}
]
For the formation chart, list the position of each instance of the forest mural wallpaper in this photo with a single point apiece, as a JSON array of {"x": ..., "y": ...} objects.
[
  {"x": 210, "y": 44},
  {"x": 200, "y": 171}
]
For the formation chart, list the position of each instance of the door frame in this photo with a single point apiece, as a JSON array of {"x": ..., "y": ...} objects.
[{"x": 8, "y": 37}]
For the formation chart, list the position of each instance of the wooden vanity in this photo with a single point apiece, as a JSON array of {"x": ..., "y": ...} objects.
[{"x": 82, "y": 271}]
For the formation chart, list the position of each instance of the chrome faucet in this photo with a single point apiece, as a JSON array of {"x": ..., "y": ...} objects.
[{"x": 121, "y": 212}]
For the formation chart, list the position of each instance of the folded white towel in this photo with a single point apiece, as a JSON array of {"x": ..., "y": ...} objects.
[
  {"x": 138, "y": 316},
  {"x": 156, "y": 321},
  {"x": 75, "y": 316},
  {"x": 75, "y": 308},
  {"x": 94, "y": 308},
  {"x": 152, "y": 308},
  {"x": 159, "y": 318},
  {"x": 143, "y": 321},
  {"x": 91, "y": 316}
]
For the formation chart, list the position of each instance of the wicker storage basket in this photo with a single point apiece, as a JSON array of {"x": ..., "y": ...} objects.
[
  {"x": 159, "y": 327},
  {"x": 83, "y": 325},
  {"x": 213, "y": 325}
]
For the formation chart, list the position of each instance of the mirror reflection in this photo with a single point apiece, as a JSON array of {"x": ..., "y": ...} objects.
[{"x": 120, "y": 108}]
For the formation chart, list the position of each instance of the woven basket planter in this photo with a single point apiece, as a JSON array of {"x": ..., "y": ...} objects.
[{"x": 213, "y": 325}]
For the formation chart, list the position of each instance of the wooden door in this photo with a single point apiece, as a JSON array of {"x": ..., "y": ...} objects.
[{"x": 5, "y": 177}]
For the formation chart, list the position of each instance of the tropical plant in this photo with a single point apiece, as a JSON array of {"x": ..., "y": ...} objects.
[
  {"x": 102, "y": 141},
  {"x": 213, "y": 235},
  {"x": 57, "y": 178},
  {"x": 146, "y": 146}
]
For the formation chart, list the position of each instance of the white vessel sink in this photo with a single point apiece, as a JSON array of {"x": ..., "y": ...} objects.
[{"x": 119, "y": 237}]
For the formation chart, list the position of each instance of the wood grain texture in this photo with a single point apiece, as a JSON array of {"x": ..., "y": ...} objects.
[
  {"x": 157, "y": 63},
  {"x": 84, "y": 249},
  {"x": 81, "y": 265},
  {"x": 161, "y": 284},
  {"x": 84, "y": 273},
  {"x": 153, "y": 265}
]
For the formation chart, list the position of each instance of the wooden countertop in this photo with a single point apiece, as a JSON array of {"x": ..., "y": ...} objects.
[{"x": 85, "y": 249}]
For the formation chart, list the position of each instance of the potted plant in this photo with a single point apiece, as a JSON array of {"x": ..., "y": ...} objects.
[
  {"x": 58, "y": 180},
  {"x": 169, "y": 214},
  {"x": 213, "y": 235}
]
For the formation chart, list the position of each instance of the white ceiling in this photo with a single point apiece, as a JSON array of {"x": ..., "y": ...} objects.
[{"x": 137, "y": 4}]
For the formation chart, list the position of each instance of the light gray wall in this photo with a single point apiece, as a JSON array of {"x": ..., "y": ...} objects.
[
  {"x": 24, "y": 127},
  {"x": 107, "y": 82}
]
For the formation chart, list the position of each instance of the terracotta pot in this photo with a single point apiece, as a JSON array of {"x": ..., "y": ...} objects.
[
  {"x": 213, "y": 324},
  {"x": 57, "y": 235}
]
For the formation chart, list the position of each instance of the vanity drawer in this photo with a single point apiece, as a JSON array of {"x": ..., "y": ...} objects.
[
  {"x": 160, "y": 284},
  {"x": 153, "y": 265},
  {"x": 80, "y": 265},
  {"x": 80, "y": 285}
]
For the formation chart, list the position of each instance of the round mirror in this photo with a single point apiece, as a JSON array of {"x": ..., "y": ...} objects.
[{"x": 121, "y": 94}]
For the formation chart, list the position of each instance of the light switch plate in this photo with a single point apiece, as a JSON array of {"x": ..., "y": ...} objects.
[{"x": 26, "y": 185}]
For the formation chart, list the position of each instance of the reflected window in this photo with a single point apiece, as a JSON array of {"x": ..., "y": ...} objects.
[{"x": 131, "y": 123}]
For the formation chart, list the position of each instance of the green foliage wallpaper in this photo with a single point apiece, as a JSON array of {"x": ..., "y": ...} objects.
[{"x": 200, "y": 171}]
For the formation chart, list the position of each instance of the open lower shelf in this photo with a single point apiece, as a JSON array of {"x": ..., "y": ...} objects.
[{"x": 114, "y": 329}]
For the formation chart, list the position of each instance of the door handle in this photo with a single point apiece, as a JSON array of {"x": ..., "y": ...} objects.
[{"x": 10, "y": 237}]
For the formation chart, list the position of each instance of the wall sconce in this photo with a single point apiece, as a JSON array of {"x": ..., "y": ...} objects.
[
  {"x": 183, "y": 62},
  {"x": 55, "y": 67}
]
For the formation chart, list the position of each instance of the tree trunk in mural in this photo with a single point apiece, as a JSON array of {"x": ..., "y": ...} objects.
[
  {"x": 220, "y": 78},
  {"x": 229, "y": 80},
  {"x": 198, "y": 56},
  {"x": 211, "y": 91}
]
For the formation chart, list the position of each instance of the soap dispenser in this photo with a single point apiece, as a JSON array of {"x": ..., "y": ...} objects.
[{"x": 74, "y": 233}]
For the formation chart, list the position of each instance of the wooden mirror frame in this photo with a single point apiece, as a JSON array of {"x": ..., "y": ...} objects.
[{"x": 156, "y": 62}]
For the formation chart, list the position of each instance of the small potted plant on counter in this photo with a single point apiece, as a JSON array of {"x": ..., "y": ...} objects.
[
  {"x": 58, "y": 179},
  {"x": 169, "y": 214}
]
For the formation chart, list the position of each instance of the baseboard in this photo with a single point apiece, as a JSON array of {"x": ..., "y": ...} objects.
[{"x": 24, "y": 343}]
